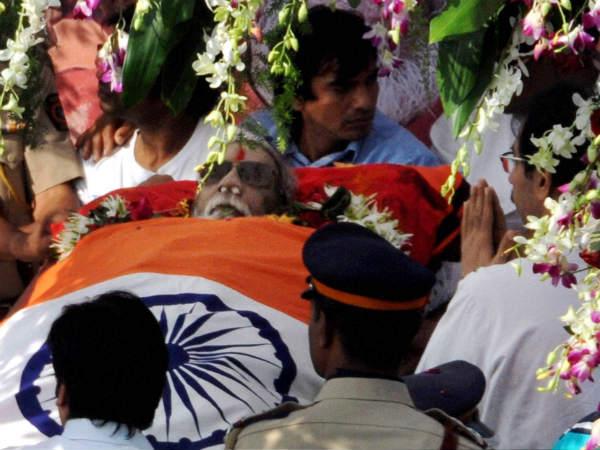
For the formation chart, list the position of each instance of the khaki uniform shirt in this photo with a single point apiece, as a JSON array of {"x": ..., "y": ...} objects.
[
  {"x": 27, "y": 170},
  {"x": 348, "y": 413}
]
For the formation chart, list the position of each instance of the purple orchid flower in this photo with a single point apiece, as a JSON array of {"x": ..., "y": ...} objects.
[
  {"x": 533, "y": 24},
  {"x": 566, "y": 219},
  {"x": 557, "y": 274},
  {"x": 577, "y": 40},
  {"x": 84, "y": 9},
  {"x": 591, "y": 19},
  {"x": 595, "y": 209}
]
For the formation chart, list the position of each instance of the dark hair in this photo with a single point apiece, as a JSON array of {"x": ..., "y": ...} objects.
[
  {"x": 552, "y": 107},
  {"x": 330, "y": 39},
  {"x": 333, "y": 39},
  {"x": 377, "y": 339},
  {"x": 111, "y": 357}
]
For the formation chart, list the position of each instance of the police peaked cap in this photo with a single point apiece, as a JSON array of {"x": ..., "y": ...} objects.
[{"x": 352, "y": 265}]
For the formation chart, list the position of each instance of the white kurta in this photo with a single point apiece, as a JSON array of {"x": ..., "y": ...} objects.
[
  {"x": 122, "y": 170},
  {"x": 506, "y": 325}
]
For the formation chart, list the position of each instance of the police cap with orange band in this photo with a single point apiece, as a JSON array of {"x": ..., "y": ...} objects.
[{"x": 354, "y": 266}]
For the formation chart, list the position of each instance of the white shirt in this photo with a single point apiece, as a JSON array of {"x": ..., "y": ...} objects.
[
  {"x": 121, "y": 169},
  {"x": 507, "y": 325},
  {"x": 82, "y": 434}
]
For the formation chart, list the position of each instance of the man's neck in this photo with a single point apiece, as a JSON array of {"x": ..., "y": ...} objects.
[
  {"x": 338, "y": 362},
  {"x": 161, "y": 139},
  {"x": 315, "y": 144},
  {"x": 366, "y": 372}
]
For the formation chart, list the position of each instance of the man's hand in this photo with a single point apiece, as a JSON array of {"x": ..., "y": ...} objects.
[
  {"x": 477, "y": 228},
  {"x": 104, "y": 137},
  {"x": 59, "y": 199},
  {"x": 484, "y": 239},
  {"x": 30, "y": 243}
]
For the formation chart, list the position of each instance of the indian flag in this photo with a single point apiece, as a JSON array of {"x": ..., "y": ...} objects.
[{"x": 226, "y": 295}]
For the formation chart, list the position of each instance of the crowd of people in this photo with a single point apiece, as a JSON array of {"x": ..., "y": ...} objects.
[{"x": 367, "y": 297}]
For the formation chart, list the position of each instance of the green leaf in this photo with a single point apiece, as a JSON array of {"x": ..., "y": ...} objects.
[
  {"x": 354, "y": 3},
  {"x": 178, "y": 77},
  {"x": 177, "y": 11},
  {"x": 463, "y": 79},
  {"x": 463, "y": 17},
  {"x": 465, "y": 109},
  {"x": 146, "y": 52},
  {"x": 484, "y": 77},
  {"x": 458, "y": 69}
]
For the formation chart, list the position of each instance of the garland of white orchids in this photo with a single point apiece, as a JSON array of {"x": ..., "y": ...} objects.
[
  {"x": 506, "y": 83},
  {"x": 15, "y": 76},
  {"x": 363, "y": 210},
  {"x": 571, "y": 229}
]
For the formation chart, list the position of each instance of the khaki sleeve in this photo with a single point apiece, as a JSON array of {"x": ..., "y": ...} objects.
[
  {"x": 51, "y": 158},
  {"x": 51, "y": 164}
]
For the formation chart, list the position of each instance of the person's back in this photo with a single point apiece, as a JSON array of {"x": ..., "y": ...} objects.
[
  {"x": 110, "y": 362},
  {"x": 505, "y": 323},
  {"x": 349, "y": 412},
  {"x": 366, "y": 298}
]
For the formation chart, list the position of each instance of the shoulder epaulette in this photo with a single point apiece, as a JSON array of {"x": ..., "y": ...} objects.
[
  {"x": 456, "y": 426},
  {"x": 278, "y": 412}
]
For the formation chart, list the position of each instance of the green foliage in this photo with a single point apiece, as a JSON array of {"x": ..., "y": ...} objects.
[
  {"x": 177, "y": 11},
  {"x": 283, "y": 112},
  {"x": 466, "y": 64},
  {"x": 283, "y": 72},
  {"x": 9, "y": 19},
  {"x": 178, "y": 77},
  {"x": 149, "y": 44},
  {"x": 168, "y": 25},
  {"x": 463, "y": 17},
  {"x": 458, "y": 69}
]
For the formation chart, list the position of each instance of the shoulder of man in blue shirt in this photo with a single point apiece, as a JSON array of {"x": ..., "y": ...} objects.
[{"x": 387, "y": 142}]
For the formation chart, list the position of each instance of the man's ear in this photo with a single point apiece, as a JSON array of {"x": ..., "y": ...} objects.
[
  {"x": 61, "y": 395},
  {"x": 62, "y": 402},
  {"x": 298, "y": 104},
  {"x": 542, "y": 185},
  {"x": 326, "y": 332}
]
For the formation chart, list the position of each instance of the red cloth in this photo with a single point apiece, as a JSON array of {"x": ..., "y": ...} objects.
[
  {"x": 164, "y": 199},
  {"x": 411, "y": 193}
]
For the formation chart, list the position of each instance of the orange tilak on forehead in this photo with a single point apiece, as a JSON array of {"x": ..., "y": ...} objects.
[{"x": 241, "y": 154}]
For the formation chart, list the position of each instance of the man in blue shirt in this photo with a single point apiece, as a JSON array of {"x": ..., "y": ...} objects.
[{"x": 334, "y": 113}]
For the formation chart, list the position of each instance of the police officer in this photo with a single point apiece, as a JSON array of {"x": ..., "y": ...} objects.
[
  {"x": 33, "y": 174},
  {"x": 367, "y": 298}
]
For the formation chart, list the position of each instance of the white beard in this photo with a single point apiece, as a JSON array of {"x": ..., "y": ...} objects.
[{"x": 224, "y": 205}]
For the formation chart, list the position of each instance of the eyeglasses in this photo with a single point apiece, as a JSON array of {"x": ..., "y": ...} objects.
[
  {"x": 509, "y": 161},
  {"x": 252, "y": 173}
]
